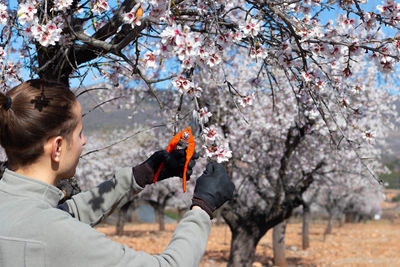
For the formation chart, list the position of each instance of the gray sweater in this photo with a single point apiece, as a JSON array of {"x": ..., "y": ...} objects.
[{"x": 34, "y": 231}]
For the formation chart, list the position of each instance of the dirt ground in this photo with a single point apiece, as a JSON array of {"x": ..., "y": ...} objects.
[{"x": 375, "y": 243}]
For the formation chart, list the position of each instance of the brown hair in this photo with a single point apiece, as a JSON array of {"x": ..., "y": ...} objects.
[{"x": 30, "y": 114}]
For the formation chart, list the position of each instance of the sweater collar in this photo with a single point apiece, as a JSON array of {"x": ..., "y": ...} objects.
[{"x": 22, "y": 185}]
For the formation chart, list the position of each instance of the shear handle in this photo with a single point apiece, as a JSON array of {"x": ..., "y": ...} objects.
[{"x": 189, "y": 152}]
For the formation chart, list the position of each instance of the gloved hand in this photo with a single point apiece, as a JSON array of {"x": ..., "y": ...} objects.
[
  {"x": 213, "y": 188},
  {"x": 174, "y": 163}
]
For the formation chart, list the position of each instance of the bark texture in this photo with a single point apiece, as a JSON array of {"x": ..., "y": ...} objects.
[
  {"x": 306, "y": 226},
  {"x": 122, "y": 214},
  {"x": 278, "y": 244}
]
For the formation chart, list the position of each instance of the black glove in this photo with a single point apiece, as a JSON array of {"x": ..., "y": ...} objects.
[
  {"x": 213, "y": 188},
  {"x": 174, "y": 164}
]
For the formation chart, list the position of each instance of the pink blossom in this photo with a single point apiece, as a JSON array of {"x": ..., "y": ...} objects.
[
  {"x": 62, "y": 5},
  {"x": 218, "y": 153},
  {"x": 26, "y": 12},
  {"x": 194, "y": 91},
  {"x": 258, "y": 53},
  {"x": 345, "y": 24},
  {"x": 369, "y": 21},
  {"x": 390, "y": 10},
  {"x": 368, "y": 136},
  {"x": 204, "y": 114},
  {"x": 209, "y": 134},
  {"x": 131, "y": 18},
  {"x": 12, "y": 71},
  {"x": 246, "y": 100},
  {"x": 149, "y": 59},
  {"x": 312, "y": 113},
  {"x": 47, "y": 34},
  {"x": 3, "y": 14},
  {"x": 213, "y": 60},
  {"x": 306, "y": 76},
  {"x": 251, "y": 28},
  {"x": 186, "y": 87},
  {"x": 100, "y": 6}
]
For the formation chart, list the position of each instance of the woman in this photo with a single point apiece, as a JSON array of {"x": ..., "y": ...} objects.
[{"x": 41, "y": 133}]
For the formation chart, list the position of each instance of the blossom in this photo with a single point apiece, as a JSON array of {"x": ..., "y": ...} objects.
[
  {"x": 219, "y": 153},
  {"x": 182, "y": 84},
  {"x": 186, "y": 87},
  {"x": 306, "y": 76},
  {"x": 369, "y": 21},
  {"x": 204, "y": 114},
  {"x": 250, "y": 28},
  {"x": 385, "y": 64},
  {"x": 47, "y": 34},
  {"x": 100, "y": 6},
  {"x": 132, "y": 19},
  {"x": 26, "y": 12},
  {"x": 312, "y": 113},
  {"x": 368, "y": 136},
  {"x": 390, "y": 10},
  {"x": 246, "y": 100},
  {"x": 62, "y": 5},
  {"x": 209, "y": 134},
  {"x": 345, "y": 24},
  {"x": 258, "y": 53},
  {"x": 195, "y": 91},
  {"x": 12, "y": 71},
  {"x": 149, "y": 59},
  {"x": 3, "y": 14},
  {"x": 213, "y": 60}
]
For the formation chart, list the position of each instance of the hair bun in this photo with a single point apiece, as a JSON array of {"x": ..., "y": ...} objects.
[{"x": 7, "y": 105}]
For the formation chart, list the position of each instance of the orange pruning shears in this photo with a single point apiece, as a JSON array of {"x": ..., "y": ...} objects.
[{"x": 187, "y": 136}]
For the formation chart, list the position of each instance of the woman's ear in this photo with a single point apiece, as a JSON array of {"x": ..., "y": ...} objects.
[{"x": 56, "y": 148}]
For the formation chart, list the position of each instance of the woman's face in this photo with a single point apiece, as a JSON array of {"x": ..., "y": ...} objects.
[{"x": 73, "y": 146}]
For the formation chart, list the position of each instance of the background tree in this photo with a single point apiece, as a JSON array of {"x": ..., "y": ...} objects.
[{"x": 312, "y": 82}]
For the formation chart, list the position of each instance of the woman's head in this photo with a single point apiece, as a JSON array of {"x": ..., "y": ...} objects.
[{"x": 31, "y": 114}]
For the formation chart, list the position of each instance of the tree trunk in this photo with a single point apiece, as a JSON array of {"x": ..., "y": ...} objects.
[
  {"x": 219, "y": 218},
  {"x": 159, "y": 214},
  {"x": 306, "y": 225},
  {"x": 121, "y": 219},
  {"x": 328, "y": 228},
  {"x": 278, "y": 243},
  {"x": 341, "y": 219},
  {"x": 243, "y": 247},
  {"x": 181, "y": 212}
]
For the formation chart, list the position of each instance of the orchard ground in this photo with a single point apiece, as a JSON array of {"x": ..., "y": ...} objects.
[{"x": 374, "y": 243}]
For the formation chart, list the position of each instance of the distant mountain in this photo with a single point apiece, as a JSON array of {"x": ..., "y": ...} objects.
[{"x": 109, "y": 116}]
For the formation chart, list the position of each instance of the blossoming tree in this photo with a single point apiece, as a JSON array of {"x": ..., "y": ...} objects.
[{"x": 312, "y": 81}]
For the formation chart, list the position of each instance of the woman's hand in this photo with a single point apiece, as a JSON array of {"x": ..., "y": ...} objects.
[{"x": 174, "y": 163}]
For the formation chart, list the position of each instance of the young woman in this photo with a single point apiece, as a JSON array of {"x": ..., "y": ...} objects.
[{"x": 41, "y": 133}]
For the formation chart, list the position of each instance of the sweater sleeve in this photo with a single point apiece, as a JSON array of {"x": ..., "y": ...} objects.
[
  {"x": 78, "y": 244},
  {"x": 92, "y": 206}
]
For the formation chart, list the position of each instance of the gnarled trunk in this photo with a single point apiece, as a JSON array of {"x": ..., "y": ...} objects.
[
  {"x": 243, "y": 247},
  {"x": 278, "y": 244}
]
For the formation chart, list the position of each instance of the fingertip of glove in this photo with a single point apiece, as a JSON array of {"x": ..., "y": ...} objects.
[{"x": 163, "y": 154}]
